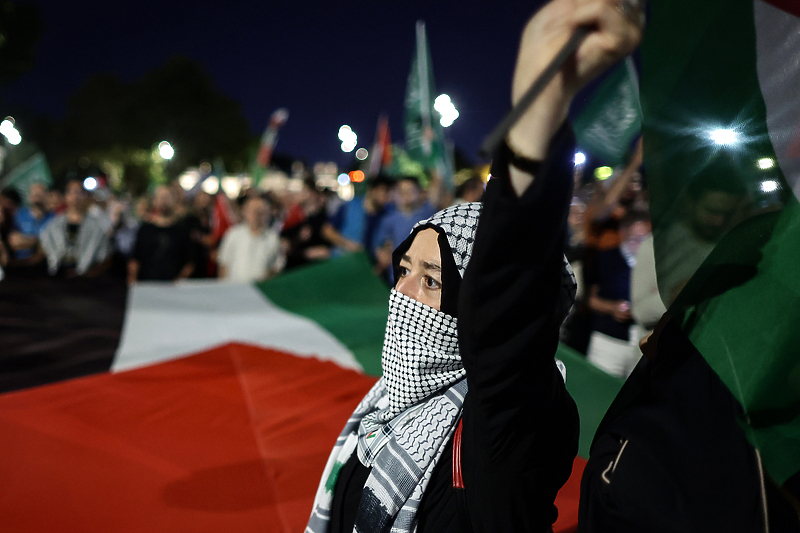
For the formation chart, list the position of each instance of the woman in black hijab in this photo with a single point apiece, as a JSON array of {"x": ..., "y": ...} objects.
[{"x": 471, "y": 427}]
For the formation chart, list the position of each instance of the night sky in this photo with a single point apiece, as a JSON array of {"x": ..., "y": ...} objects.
[{"x": 329, "y": 63}]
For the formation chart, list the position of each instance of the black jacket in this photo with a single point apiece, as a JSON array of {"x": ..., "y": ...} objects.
[{"x": 670, "y": 456}]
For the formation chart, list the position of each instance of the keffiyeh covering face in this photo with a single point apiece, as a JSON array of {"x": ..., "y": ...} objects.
[{"x": 418, "y": 400}]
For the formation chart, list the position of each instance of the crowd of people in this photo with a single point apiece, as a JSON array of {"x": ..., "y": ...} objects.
[{"x": 173, "y": 234}]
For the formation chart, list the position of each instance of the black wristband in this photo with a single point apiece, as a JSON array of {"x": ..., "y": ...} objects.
[{"x": 530, "y": 166}]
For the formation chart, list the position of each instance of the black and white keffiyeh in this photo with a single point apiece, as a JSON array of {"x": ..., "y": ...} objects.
[{"x": 403, "y": 424}]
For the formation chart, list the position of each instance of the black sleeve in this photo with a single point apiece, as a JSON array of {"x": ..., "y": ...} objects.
[{"x": 520, "y": 430}]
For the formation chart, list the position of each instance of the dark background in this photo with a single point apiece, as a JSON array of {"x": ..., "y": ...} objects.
[{"x": 329, "y": 63}]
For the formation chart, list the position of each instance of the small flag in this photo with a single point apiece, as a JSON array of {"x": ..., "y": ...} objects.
[
  {"x": 424, "y": 134},
  {"x": 33, "y": 170},
  {"x": 222, "y": 216},
  {"x": 270, "y": 137},
  {"x": 613, "y": 116},
  {"x": 381, "y": 155}
]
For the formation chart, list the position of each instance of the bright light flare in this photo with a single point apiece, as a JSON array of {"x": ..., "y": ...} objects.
[
  {"x": 442, "y": 103},
  {"x": 725, "y": 136},
  {"x": 165, "y": 150},
  {"x": 444, "y": 106},
  {"x": 348, "y": 137},
  {"x": 7, "y": 126},
  {"x": 90, "y": 184},
  {"x": 580, "y": 158},
  {"x": 362, "y": 154},
  {"x": 14, "y": 137},
  {"x": 769, "y": 186},
  {"x": 9, "y": 131},
  {"x": 766, "y": 163}
]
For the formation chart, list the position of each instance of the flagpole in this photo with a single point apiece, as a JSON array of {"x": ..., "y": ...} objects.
[
  {"x": 493, "y": 141},
  {"x": 422, "y": 65}
]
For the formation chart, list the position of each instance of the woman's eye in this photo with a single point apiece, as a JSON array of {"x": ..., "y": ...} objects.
[
  {"x": 432, "y": 283},
  {"x": 403, "y": 271}
]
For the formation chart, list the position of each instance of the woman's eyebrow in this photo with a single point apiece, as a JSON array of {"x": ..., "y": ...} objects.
[
  {"x": 431, "y": 266},
  {"x": 425, "y": 264}
]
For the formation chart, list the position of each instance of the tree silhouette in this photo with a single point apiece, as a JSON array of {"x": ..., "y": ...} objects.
[{"x": 113, "y": 122}]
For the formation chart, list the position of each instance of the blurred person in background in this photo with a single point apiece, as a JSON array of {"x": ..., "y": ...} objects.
[
  {"x": 302, "y": 236},
  {"x": 470, "y": 191},
  {"x": 77, "y": 242},
  {"x": 353, "y": 227},
  {"x": 162, "y": 244},
  {"x": 607, "y": 204},
  {"x": 28, "y": 223},
  {"x": 577, "y": 327},
  {"x": 610, "y": 203},
  {"x": 4, "y": 249},
  {"x": 55, "y": 202},
  {"x": 9, "y": 203},
  {"x": 179, "y": 195},
  {"x": 609, "y": 297},
  {"x": 710, "y": 206},
  {"x": 102, "y": 203},
  {"x": 647, "y": 306},
  {"x": 251, "y": 250},
  {"x": 126, "y": 225},
  {"x": 203, "y": 244},
  {"x": 412, "y": 206}
]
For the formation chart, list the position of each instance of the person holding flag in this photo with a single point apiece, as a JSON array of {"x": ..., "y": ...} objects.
[{"x": 471, "y": 427}]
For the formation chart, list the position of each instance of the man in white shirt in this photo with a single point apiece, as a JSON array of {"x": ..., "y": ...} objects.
[{"x": 250, "y": 251}]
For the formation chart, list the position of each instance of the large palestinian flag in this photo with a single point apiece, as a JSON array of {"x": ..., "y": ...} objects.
[
  {"x": 209, "y": 407},
  {"x": 722, "y": 154}
]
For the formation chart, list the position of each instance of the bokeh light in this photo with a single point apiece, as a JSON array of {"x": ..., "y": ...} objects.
[
  {"x": 444, "y": 106},
  {"x": 348, "y": 137},
  {"x": 362, "y": 154},
  {"x": 9, "y": 131},
  {"x": 603, "y": 173},
  {"x": 766, "y": 163},
  {"x": 210, "y": 185},
  {"x": 165, "y": 150},
  {"x": 356, "y": 176},
  {"x": 769, "y": 186}
]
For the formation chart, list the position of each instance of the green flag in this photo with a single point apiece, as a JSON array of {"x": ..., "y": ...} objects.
[
  {"x": 721, "y": 127},
  {"x": 613, "y": 117},
  {"x": 424, "y": 134},
  {"x": 33, "y": 170}
]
